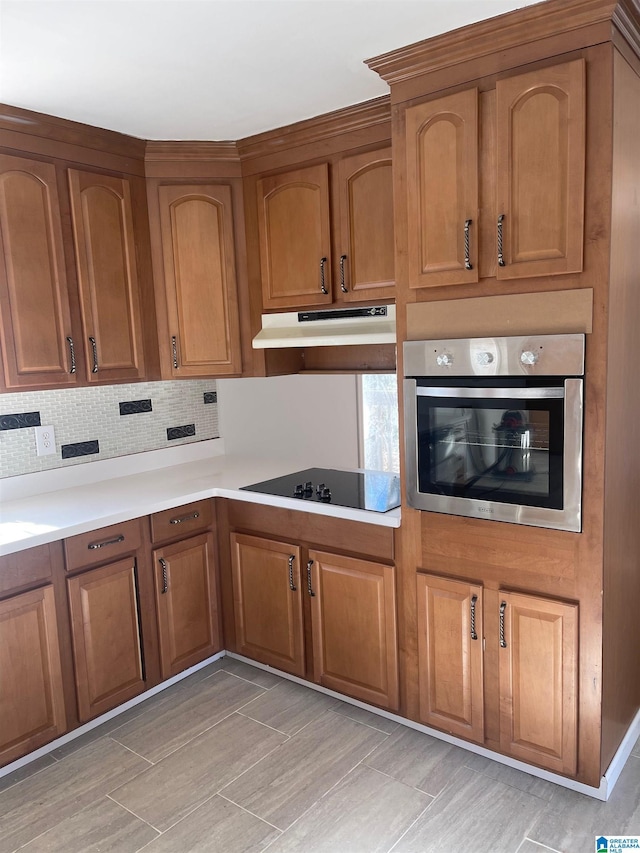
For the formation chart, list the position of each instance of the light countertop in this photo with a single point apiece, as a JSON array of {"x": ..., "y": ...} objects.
[{"x": 83, "y": 504}]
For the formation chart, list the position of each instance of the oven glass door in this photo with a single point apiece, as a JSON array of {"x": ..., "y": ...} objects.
[{"x": 502, "y": 445}]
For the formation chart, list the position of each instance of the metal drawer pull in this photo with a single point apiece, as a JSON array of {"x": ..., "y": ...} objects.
[
  {"x": 323, "y": 286},
  {"x": 174, "y": 350},
  {"x": 72, "y": 354},
  {"x": 467, "y": 256},
  {"x": 309, "y": 587},
  {"x": 474, "y": 599},
  {"x": 93, "y": 546},
  {"x": 343, "y": 286},
  {"x": 501, "y": 262},
  {"x": 165, "y": 579},
  {"x": 292, "y": 586},
  {"x": 94, "y": 350},
  {"x": 184, "y": 518},
  {"x": 503, "y": 642}
]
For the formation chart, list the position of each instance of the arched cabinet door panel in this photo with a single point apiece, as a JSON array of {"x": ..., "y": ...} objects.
[
  {"x": 38, "y": 345},
  {"x": 541, "y": 171},
  {"x": 295, "y": 238},
  {"x": 196, "y": 223},
  {"x": 442, "y": 190},
  {"x": 105, "y": 252}
]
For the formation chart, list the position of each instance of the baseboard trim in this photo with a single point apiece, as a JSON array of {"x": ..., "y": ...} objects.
[{"x": 603, "y": 792}]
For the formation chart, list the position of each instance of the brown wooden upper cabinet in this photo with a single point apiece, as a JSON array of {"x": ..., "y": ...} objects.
[
  {"x": 38, "y": 343},
  {"x": 43, "y": 344},
  {"x": 535, "y": 125},
  {"x": 105, "y": 252},
  {"x": 202, "y": 332},
  {"x": 314, "y": 254}
]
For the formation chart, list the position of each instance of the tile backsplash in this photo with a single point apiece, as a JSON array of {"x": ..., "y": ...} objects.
[{"x": 104, "y": 422}]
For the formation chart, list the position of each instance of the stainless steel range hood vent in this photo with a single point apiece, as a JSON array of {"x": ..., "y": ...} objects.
[{"x": 326, "y": 328}]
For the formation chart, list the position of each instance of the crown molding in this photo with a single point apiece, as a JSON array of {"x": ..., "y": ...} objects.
[
  {"x": 509, "y": 31},
  {"x": 191, "y": 151},
  {"x": 348, "y": 120}
]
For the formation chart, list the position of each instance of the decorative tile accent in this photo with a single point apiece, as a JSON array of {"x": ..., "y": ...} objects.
[
  {"x": 181, "y": 431},
  {"x": 135, "y": 407},
  {"x": 78, "y": 412},
  {"x": 210, "y": 396},
  {"x": 80, "y": 448},
  {"x": 26, "y": 419}
]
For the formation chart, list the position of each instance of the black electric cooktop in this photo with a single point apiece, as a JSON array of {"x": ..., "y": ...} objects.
[{"x": 377, "y": 491}]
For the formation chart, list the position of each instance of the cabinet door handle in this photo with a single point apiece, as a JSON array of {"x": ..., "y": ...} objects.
[
  {"x": 94, "y": 351},
  {"x": 309, "y": 587},
  {"x": 174, "y": 351},
  {"x": 94, "y": 546},
  {"x": 292, "y": 586},
  {"x": 467, "y": 253},
  {"x": 72, "y": 354},
  {"x": 343, "y": 286},
  {"x": 474, "y": 599},
  {"x": 501, "y": 262},
  {"x": 165, "y": 576},
  {"x": 184, "y": 518},
  {"x": 323, "y": 286},
  {"x": 503, "y": 642}
]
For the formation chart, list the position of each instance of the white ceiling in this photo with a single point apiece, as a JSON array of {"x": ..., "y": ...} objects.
[{"x": 208, "y": 69}]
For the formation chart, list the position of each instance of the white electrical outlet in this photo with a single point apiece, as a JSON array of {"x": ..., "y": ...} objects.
[{"x": 45, "y": 440}]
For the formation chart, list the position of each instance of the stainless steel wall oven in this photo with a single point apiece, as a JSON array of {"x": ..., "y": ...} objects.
[{"x": 493, "y": 428}]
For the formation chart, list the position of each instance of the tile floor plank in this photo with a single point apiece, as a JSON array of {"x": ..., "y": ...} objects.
[
  {"x": 101, "y": 827},
  {"x": 288, "y": 781},
  {"x": 529, "y": 846},
  {"x": 289, "y": 707},
  {"x": 261, "y": 677},
  {"x": 217, "y": 825},
  {"x": 365, "y": 813},
  {"x": 24, "y": 772},
  {"x": 175, "y": 786},
  {"x": 43, "y": 801},
  {"x": 185, "y": 715},
  {"x": 418, "y": 760},
  {"x": 368, "y": 718},
  {"x": 473, "y": 814},
  {"x": 571, "y": 822},
  {"x": 510, "y": 776}
]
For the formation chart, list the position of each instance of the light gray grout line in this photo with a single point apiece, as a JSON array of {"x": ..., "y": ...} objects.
[
  {"x": 544, "y": 846},
  {"x": 118, "y": 803},
  {"x": 266, "y": 725},
  {"x": 353, "y": 720},
  {"x": 30, "y": 776},
  {"x": 242, "y": 678},
  {"x": 257, "y": 817},
  {"x": 137, "y": 754},
  {"x": 412, "y": 824}
]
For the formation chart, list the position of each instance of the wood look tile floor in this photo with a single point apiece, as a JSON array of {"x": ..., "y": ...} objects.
[{"x": 237, "y": 759}]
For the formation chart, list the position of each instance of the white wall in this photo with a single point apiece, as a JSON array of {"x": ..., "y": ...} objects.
[{"x": 309, "y": 421}]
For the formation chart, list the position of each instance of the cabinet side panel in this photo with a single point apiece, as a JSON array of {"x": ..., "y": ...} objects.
[{"x": 621, "y": 626}]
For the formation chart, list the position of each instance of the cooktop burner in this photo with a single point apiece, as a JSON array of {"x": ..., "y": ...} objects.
[{"x": 377, "y": 491}]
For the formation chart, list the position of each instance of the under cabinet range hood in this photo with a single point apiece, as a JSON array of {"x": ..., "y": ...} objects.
[{"x": 324, "y": 328}]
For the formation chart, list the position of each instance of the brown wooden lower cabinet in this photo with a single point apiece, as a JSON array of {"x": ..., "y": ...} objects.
[
  {"x": 537, "y": 659},
  {"x": 267, "y": 600},
  {"x": 32, "y": 708},
  {"x": 538, "y": 681},
  {"x": 352, "y": 615},
  {"x": 105, "y": 629},
  {"x": 450, "y": 639},
  {"x": 186, "y": 600}
]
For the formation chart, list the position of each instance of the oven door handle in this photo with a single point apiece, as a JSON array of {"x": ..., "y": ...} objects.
[{"x": 492, "y": 393}]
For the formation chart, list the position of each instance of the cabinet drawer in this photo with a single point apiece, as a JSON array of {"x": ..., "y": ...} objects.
[
  {"x": 98, "y": 546},
  {"x": 180, "y": 521},
  {"x": 26, "y": 567}
]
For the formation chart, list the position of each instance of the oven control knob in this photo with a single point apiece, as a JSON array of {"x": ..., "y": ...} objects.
[
  {"x": 484, "y": 358},
  {"x": 445, "y": 359},
  {"x": 529, "y": 358}
]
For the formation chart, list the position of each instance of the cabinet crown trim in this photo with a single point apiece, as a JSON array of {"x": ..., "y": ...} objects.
[
  {"x": 191, "y": 151},
  {"x": 347, "y": 120},
  {"x": 511, "y": 30}
]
